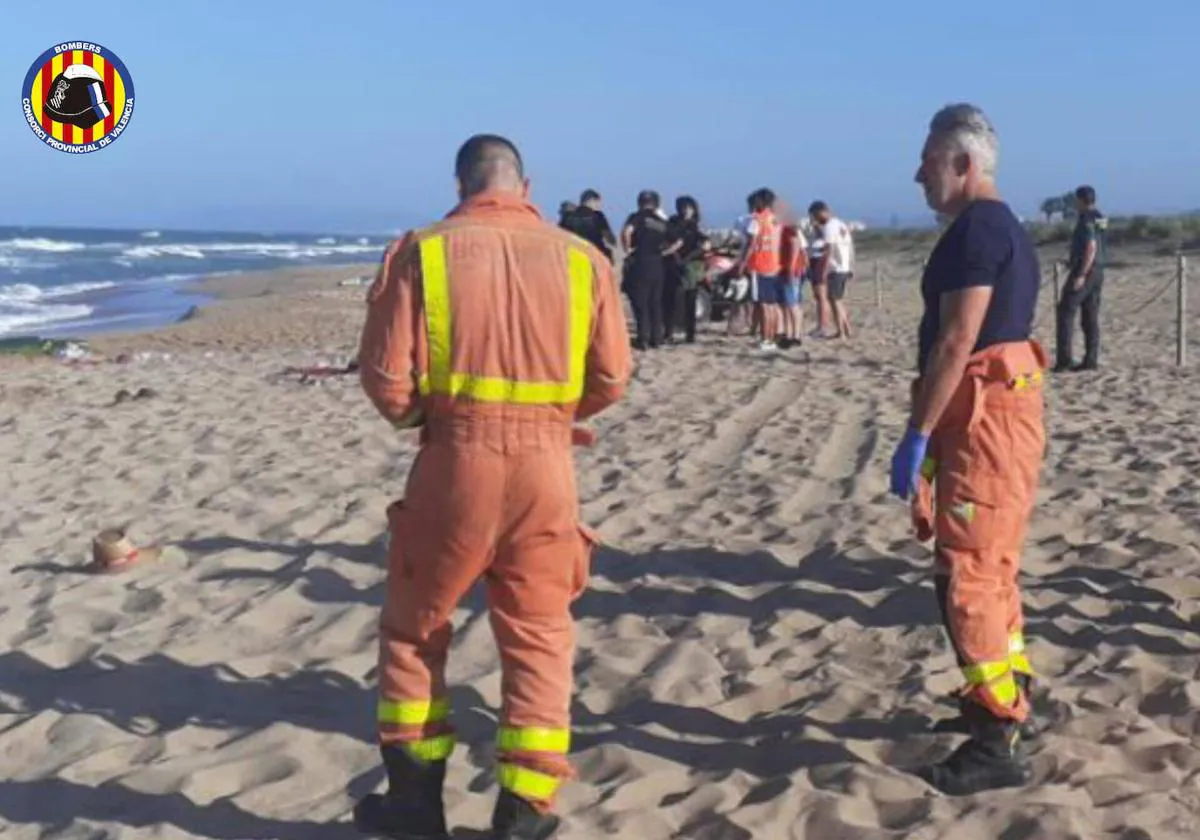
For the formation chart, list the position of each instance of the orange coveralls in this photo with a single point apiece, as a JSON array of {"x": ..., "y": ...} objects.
[
  {"x": 494, "y": 331},
  {"x": 983, "y": 464}
]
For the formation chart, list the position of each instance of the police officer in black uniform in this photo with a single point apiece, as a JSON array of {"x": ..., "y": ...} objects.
[
  {"x": 589, "y": 222},
  {"x": 644, "y": 238},
  {"x": 1085, "y": 280}
]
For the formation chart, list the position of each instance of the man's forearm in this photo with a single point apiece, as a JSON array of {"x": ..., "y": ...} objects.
[
  {"x": 944, "y": 373},
  {"x": 396, "y": 399},
  {"x": 1089, "y": 260}
]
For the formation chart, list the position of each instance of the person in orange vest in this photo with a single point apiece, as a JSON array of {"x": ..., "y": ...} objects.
[
  {"x": 494, "y": 332},
  {"x": 975, "y": 440},
  {"x": 760, "y": 260}
]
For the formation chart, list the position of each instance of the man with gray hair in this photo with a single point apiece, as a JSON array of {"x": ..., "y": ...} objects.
[{"x": 976, "y": 435}]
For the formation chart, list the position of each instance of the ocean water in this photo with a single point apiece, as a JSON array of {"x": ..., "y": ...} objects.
[{"x": 58, "y": 282}]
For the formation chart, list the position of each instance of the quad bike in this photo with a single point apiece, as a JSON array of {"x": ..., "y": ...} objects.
[{"x": 721, "y": 288}]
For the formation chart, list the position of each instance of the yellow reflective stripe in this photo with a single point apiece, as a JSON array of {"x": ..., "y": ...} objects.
[
  {"x": 1020, "y": 664},
  {"x": 527, "y": 784},
  {"x": 495, "y": 389},
  {"x": 441, "y": 379},
  {"x": 436, "y": 289},
  {"x": 1022, "y": 381},
  {"x": 985, "y": 672},
  {"x": 997, "y": 676},
  {"x": 1016, "y": 654},
  {"x": 431, "y": 749},
  {"x": 579, "y": 267},
  {"x": 534, "y": 739},
  {"x": 1016, "y": 642},
  {"x": 412, "y": 712}
]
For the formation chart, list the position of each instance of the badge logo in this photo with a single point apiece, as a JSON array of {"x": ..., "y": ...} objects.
[{"x": 78, "y": 97}]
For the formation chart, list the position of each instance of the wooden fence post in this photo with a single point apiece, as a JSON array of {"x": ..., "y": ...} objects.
[
  {"x": 1181, "y": 312},
  {"x": 878, "y": 287}
]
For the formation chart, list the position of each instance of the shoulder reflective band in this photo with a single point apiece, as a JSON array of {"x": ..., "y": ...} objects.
[{"x": 441, "y": 377}]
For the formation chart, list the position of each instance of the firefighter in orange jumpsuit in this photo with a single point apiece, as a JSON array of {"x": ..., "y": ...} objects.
[
  {"x": 760, "y": 258},
  {"x": 493, "y": 331},
  {"x": 972, "y": 453}
]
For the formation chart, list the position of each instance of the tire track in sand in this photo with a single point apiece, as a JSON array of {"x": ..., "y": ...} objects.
[
  {"x": 736, "y": 431},
  {"x": 839, "y": 463}
]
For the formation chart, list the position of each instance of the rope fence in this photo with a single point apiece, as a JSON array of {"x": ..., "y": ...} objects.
[{"x": 1178, "y": 279}]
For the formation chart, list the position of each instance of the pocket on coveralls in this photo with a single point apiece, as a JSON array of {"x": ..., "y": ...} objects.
[
  {"x": 398, "y": 517},
  {"x": 966, "y": 522},
  {"x": 588, "y": 539}
]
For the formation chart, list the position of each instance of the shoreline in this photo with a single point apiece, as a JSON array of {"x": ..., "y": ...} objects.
[{"x": 243, "y": 310}]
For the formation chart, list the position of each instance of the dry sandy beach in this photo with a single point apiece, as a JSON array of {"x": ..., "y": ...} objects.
[{"x": 759, "y": 655}]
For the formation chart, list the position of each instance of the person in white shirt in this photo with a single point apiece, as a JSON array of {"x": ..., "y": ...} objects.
[{"x": 835, "y": 267}]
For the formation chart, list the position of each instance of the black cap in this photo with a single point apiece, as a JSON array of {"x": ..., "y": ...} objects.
[
  {"x": 817, "y": 207},
  {"x": 588, "y": 195},
  {"x": 77, "y": 97},
  {"x": 1086, "y": 194}
]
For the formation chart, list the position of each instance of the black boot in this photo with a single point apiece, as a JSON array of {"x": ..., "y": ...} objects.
[
  {"x": 988, "y": 760},
  {"x": 516, "y": 819},
  {"x": 412, "y": 807}
]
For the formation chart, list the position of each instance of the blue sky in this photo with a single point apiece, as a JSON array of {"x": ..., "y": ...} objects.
[{"x": 305, "y": 115}]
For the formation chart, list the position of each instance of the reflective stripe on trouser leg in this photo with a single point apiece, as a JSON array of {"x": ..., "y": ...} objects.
[
  {"x": 420, "y": 727},
  {"x": 1017, "y": 660},
  {"x": 995, "y": 679},
  {"x": 520, "y": 747}
]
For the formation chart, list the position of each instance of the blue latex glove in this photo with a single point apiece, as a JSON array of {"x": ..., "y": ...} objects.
[{"x": 906, "y": 462}]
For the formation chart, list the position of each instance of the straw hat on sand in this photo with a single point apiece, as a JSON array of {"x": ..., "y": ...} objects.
[{"x": 113, "y": 551}]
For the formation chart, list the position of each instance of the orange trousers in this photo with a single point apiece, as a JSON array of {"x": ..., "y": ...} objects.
[
  {"x": 977, "y": 493},
  {"x": 492, "y": 499}
]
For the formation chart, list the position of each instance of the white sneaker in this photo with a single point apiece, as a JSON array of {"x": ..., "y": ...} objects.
[{"x": 768, "y": 347}]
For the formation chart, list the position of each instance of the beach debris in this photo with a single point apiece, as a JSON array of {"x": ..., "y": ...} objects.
[
  {"x": 362, "y": 280},
  {"x": 310, "y": 375},
  {"x": 31, "y": 346},
  {"x": 113, "y": 551},
  {"x": 124, "y": 395}
]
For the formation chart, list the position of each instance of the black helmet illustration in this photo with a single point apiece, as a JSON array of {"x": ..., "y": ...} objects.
[{"x": 77, "y": 97}]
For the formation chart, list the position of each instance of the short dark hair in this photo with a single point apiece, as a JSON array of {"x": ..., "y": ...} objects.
[
  {"x": 818, "y": 207},
  {"x": 648, "y": 199},
  {"x": 1086, "y": 194},
  {"x": 482, "y": 158},
  {"x": 588, "y": 195}
]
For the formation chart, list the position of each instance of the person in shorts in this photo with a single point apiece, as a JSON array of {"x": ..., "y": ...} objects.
[
  {"x": 837, "y": 263},
  {"x": 793, "y": 254},
  {"x": 760, "y": 261}
]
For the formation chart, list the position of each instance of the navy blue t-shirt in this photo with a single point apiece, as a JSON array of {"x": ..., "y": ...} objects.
[{"x": 985, "y": 246}]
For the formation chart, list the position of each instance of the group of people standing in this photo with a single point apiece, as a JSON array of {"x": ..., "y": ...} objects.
[
  {"x": 778, "y": 259},
  {"x": 666, "y": 259}
]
